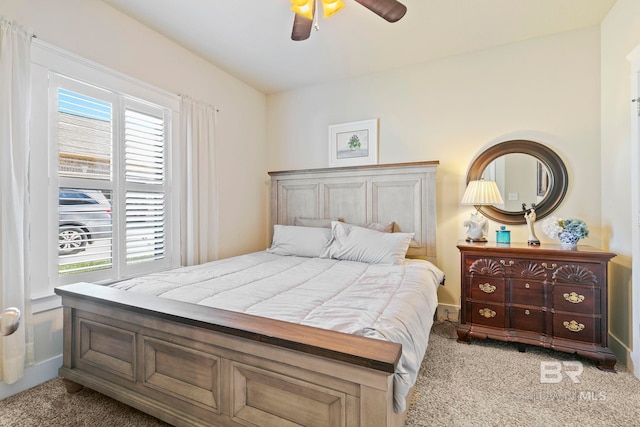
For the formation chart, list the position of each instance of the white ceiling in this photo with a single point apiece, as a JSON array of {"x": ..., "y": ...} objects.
[{"x": 251, "y": 39}]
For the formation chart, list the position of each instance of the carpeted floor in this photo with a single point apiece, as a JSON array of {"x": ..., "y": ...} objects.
[{"x": 487, "y": 383}]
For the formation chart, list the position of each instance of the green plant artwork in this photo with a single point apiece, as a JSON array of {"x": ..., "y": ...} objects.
[{"x": 354, "y": 142}]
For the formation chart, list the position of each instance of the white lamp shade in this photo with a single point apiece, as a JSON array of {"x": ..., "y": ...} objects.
[{"x": 481, "y": 193}]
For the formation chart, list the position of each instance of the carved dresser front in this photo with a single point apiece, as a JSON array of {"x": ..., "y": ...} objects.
[{"x": 540, "y": 295}]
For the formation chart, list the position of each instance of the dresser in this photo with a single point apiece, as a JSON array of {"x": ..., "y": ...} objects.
[{"x": 543, "y": 295}]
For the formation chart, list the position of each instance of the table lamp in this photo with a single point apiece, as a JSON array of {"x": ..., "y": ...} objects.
[
  {"x": 9, "y": 321},
  {"x": 480, "y": 193}
]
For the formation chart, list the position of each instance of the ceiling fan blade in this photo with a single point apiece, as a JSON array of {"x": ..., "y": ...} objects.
[
  {"x": 301, "y": 27},
  {"x": 391, "y": 10}
]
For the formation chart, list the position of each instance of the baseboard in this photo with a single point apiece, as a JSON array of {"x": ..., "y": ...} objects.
[
  {"x": 33, "y": 375},
  {"x": 448, "y": 312},
  {"x": 621, "y": 351}
]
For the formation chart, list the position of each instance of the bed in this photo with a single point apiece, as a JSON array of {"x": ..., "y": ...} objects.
[{"x": 232, "y": 359}]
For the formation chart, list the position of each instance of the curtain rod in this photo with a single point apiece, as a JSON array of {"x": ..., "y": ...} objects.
[{"x": 182, "y": 95}]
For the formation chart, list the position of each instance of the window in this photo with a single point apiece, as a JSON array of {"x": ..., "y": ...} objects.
[
  {"x": 85, "y": 181},
  {"x": 103, "y": 208},
  {"x": 111, "y": 181}
]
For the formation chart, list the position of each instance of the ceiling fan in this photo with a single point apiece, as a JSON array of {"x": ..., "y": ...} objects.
[{"x": 305, "y": 10}]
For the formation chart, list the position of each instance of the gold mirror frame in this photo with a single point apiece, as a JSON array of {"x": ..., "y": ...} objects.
[{"x": 558, "y": 178}]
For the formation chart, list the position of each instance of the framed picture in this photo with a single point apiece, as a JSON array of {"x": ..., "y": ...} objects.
[
  {"x": 353, "y": 144},
  {"x": 542, "y": 180}
]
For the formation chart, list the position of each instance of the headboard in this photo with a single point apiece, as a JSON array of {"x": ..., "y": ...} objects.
[{"x": 404, "y": 193}]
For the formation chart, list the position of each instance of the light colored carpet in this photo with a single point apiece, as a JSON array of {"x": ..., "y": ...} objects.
[
  {"x": 487, "y": 383},
  {"x": 490, "y": 383}
]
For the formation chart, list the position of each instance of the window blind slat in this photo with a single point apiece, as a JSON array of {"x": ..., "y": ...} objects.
[{"x": 144, "y": 148}]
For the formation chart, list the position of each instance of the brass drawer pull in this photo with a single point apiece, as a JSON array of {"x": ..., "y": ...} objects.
[
  {"x": 487, "y": 288},
  {"x": 526, "y": 285},
  {"x": 527, "y": 312},
  {"x": 487, "y": 312},
  {"x": 503, "y": 262},
  {"x": 573, "y": 326},
  {"x": 545, "y": 265},
  {"x": 574, "y": 298}
]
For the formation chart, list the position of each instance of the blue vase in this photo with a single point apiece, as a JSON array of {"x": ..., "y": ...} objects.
[{"x": 568, "y": 240}]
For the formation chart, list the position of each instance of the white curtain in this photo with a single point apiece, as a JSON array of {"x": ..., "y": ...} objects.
[
  {"x": 15, "y": 100},
  {"x": 199, "y": 204}
]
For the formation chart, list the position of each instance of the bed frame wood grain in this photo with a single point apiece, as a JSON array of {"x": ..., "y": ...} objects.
[{"x": 200, "y": 366}]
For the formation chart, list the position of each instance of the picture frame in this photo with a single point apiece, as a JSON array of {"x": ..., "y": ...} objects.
[
  {"x": 354, "y": 143},
  {"x": 542, "y": 178}
]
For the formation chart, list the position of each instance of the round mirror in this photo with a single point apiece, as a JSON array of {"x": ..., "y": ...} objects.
[{"x": 527, "y": 173}]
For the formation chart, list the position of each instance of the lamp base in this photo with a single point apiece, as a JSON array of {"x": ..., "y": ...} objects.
[
  {"x": 533, "y": 242},
  {"x": 476, "y": 239}
]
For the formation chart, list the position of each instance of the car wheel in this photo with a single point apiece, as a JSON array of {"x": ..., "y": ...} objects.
[{"x": 71, "y": 240}]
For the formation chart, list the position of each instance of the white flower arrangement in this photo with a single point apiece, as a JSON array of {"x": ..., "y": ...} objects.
[{"x": 553, "y": 226}]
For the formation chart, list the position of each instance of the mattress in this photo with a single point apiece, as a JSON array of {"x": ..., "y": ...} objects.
[{"x": 389, "y": 302}]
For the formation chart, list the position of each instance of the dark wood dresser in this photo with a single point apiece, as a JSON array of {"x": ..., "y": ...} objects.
[{"x": 540, "y": 295}]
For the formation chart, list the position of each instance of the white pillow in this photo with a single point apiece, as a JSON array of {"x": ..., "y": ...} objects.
[
  {"x": 361, "y": 244},
  {"x": 299, "y": 241},
  {"x": 312, "y": 222},
  {"x": 385, "y": 228}
]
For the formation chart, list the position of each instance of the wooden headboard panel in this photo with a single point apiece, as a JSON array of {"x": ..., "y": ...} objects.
[{"x": 404, "y": 193}]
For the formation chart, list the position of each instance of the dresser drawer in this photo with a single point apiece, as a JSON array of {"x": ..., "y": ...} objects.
[
  {"x": 487, "y": 314},
  {"x": 527, "y": 319},
  {"x": 576, "y": 299},
  {"x": 487, "y": 288},
  {"x": 580, "y": 328},
  {"x": 578, "y": 273},
  {"x": 530, "y": 292}
]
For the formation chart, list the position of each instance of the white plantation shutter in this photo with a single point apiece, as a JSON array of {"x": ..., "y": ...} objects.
[
  {"x": 112, "y": 184},
  {"x": 144, "y": 142},
  {"x": 85, "y": 151},
  {"x": 145, "y": 184},
  {"x": 84, "y": 136},
  {"x": 145, "y": 227},
  {"x": 85, "y": 230}
]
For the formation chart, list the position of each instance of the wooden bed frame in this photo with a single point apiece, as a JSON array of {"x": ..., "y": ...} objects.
[{"x": 194, "y": 365}]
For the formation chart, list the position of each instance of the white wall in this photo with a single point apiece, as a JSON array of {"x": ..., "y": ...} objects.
[
  {"x": 620, "y": 35},
  {"x": 95, "y": 31},
  {"x": 544, "y": 89}
]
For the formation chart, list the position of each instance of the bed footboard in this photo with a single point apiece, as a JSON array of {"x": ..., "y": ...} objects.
[{"x": 193, "y": 365}]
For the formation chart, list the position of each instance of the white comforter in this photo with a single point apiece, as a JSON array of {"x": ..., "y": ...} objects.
[{"x": 390, "y": 302}]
